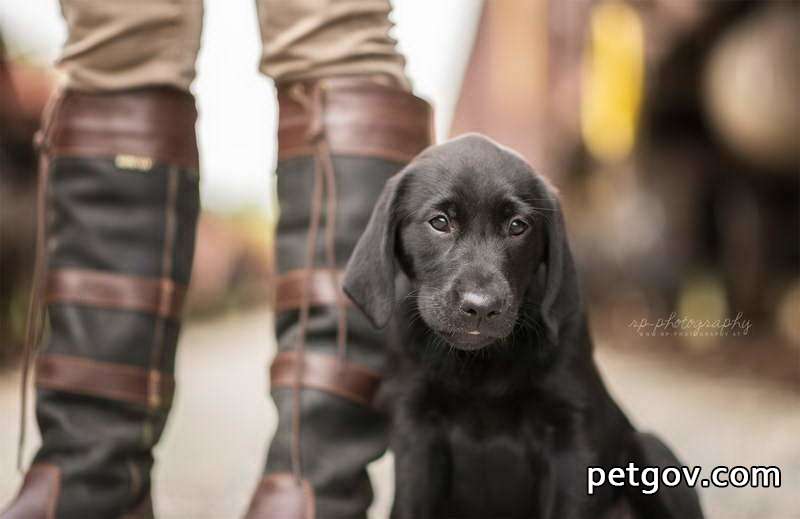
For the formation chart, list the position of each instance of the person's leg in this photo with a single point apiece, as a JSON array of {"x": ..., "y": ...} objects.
[
  {"x": 119, "y": 206},
  {"x": 114, "y": 45},
  {"x": 347, "y": 123},
  {"x": 313, "y": 39}
]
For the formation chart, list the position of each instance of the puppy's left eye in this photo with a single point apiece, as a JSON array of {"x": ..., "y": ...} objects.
[
  {"x": 440, "y": 223},
  {"x": 517, "y": 227}
]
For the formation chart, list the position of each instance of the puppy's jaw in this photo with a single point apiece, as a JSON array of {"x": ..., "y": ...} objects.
[{"x": 467, "y": 341}]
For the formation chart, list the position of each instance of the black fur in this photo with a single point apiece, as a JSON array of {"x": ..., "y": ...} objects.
[{"x": 497, "y": 406}]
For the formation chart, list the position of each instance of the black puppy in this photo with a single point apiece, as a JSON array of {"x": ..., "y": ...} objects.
[{"x": 497, "y": 406}]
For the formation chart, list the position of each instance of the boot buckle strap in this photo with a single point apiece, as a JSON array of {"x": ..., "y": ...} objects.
[
  {"x": 327, "y": 373},
  {"x": 162, "y": 297},
  {"x": 131, "y": 384},
  {"x": 323, "y": 287}
]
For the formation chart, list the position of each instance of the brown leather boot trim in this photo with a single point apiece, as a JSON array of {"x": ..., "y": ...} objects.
[
  {"x": 323, "y": 286},
  {"x": 162, "y": 297},
  {"x": 144, "y": 510},
  {"x": 104, "y": 379},
  {"x": 358, "y": 116},
  {"x": 155, "y": 124},
  {"x": 38, "y": 497},
  {"x": 326, "y": 373},
  {"x": 279, "y": 496}
]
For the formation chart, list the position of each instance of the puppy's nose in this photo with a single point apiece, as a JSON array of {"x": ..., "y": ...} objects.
[{"x": 481, "y": 306}]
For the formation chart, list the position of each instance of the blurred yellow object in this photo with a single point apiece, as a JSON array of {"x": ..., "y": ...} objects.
[
  {"x": 613, "y": 73},
  {"x": 703, "y": 302}
]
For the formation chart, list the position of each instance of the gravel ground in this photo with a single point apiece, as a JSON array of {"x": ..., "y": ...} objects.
[{"x": 214, "y": 446}]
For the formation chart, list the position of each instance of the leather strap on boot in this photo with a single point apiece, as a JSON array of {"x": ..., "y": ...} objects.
[
  {"x": 354, "y": 116},
  {"x": 38, "y": 496},
  {"x": 280, "y": 496},
  {"x": 137, "y": 127}
]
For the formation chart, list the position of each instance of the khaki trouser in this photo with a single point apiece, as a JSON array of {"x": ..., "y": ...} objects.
[{"x": 123, "y": 44}]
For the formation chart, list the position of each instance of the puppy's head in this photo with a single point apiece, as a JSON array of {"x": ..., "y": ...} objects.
[{"x": 481, "y": 237}]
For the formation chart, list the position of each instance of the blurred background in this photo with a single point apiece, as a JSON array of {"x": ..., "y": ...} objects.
[{"x": 672, "y": 129}]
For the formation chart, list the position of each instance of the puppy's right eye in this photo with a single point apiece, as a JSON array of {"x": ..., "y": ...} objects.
[{"x": 440, "y": 223}]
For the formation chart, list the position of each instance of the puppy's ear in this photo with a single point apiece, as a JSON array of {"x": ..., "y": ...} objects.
[
  {"x": 561, "y": 299},
  {"x": 369, "y": 275}
]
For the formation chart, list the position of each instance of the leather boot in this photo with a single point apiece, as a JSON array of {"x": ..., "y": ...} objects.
[
  {"x": 339, "y": 140},
  {"x": 120, "y": 175}
]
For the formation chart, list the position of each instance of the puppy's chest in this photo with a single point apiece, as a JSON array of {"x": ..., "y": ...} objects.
[{"x": 496, "y": 466}]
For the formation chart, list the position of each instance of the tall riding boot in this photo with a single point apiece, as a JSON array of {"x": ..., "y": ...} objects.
[
  {"x": 340, "y": 139},
  {"x": 120, "y": 176}
]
